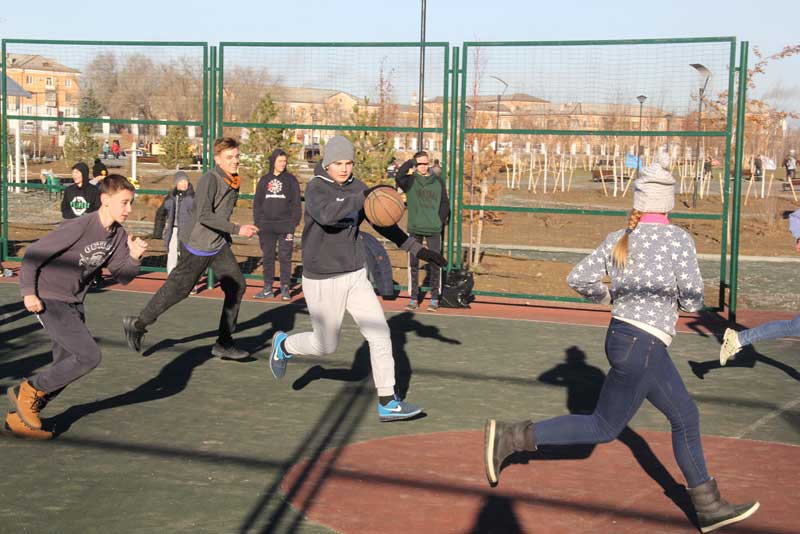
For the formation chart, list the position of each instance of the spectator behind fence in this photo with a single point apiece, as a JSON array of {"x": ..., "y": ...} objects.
[
  {"x": 428, "y": 211},
  {"x": 276, "y": 212},
  {"x": 175, "y": 214},
  {"x": 758, "y": 165},
  {"x": 99, "y": 171},
  {"x": 790, "y": 164},
  {"x": 80, "y": 197}
]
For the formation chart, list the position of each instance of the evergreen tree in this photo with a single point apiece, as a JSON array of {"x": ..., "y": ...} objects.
[
  {"x": 374, "y": 150},
  {"x": 91, "y": 108},
  {"x": 175, "y": 148},
  {"x": 260, "y": 143},
  {"x": 80, "y": 145}
]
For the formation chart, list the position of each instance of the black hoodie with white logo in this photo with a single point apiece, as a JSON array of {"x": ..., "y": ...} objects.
[{"x": 276, "y": 203}]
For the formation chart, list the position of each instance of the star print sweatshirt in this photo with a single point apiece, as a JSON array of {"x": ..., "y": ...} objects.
[{"x": 661, "y": 276}]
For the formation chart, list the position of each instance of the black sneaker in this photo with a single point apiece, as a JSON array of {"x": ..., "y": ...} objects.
[
  {"x": 133, "y": 335},
  {"x": 229, "y": 353}
]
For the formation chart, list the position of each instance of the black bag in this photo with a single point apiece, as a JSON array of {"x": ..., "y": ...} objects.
[{"x": 457, "y": 289}]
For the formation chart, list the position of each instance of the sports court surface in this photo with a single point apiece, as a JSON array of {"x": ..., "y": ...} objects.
[{"x": 177, "y": 441}]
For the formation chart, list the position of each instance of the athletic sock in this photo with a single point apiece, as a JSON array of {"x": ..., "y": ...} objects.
[
  {"x": 384, "y": 400},
  {"x": 139, "y": 326}
]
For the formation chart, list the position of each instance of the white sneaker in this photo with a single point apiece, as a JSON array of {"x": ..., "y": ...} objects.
[{"x": 730, "y": 346}]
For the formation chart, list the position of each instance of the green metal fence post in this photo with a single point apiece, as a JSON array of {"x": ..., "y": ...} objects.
[
  {"x": 461, "y": 151},
  {"x": 219, "y": 76},
  {"x": 451, "y": 173},
  {"x": 725, "y": 192},
  {"x": 205, "y": 109},
  {"x": 4, "y": 161},
  {"x": 737, "y": 177},
  {"x": 210, "y": 278}
]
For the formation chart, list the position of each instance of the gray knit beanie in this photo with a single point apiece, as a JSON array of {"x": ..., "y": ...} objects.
[
  {"x": 654, "y": 190},
  {"x": 338, "y": 149},
  {"x": 180, "y": 175}
]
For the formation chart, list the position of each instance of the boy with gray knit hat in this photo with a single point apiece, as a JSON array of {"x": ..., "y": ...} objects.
[
  {"x": 335, "y": 279},
  {"x": 653, "y": 269}
]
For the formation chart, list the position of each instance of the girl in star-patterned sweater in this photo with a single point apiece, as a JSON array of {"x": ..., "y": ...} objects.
[
  {"x": 653, "y": 270},
  {"x": 659, "y": 275}
]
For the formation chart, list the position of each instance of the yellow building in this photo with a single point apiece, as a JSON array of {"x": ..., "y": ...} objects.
[{"x": 54, "y": 90}]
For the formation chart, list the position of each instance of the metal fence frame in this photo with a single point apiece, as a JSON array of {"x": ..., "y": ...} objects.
[
  {"x": 452, "y": 130},
  {"x": 460, "y": 104},
  {"x": 5, "y": 185}
]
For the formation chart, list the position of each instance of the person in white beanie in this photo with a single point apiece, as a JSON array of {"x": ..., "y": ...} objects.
[{"x": 653, "y": 269}]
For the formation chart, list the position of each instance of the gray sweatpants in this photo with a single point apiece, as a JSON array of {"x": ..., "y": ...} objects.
[
  {"x": 327, "y": 301},
  {"x": 75, "y": 351}
]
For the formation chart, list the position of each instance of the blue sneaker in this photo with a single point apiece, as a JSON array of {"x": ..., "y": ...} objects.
[
  {"x": 397, "y": 410},
  {"x": 277, "y": 358}
]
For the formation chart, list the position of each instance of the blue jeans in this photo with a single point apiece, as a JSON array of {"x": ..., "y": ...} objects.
[
  {"x": 641, "y": 368},
  {"x": 772, "y": 330}
]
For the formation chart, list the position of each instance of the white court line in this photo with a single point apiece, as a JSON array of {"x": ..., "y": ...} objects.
[{"x": 765, "y": 419}]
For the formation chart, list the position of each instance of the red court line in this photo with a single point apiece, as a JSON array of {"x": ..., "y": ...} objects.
[{"x": 493, "y": 308}]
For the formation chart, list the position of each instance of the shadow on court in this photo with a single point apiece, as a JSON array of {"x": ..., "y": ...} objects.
[
  {"x": 235, "y": 450},
  {"x": 583, "y": 383}
]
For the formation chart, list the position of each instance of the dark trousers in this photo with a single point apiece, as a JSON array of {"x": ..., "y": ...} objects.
[
  {"x": 285, "y": 242},
  {"x": 640, "y": 369},
  {"x": 182, "y": 279},
  {"x": 434, "y": 243},
  {"x": 75, "y": 352}
]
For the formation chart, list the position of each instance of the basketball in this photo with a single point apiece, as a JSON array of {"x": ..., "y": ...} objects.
[{"x": 384, "y": 206}]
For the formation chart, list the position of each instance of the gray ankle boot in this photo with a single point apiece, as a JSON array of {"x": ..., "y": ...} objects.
[
  {"x": 502, "y": 439},
  {"x": 713, "y": 511}
]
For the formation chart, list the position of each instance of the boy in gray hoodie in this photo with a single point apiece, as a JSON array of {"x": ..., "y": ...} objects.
[
  {"x": 206, "y": 241},
  {"x": 56, "y": 273},
  {"x": 335, "y": 280}
]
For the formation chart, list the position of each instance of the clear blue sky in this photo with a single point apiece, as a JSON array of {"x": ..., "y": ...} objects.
[{"x": 769, "y": 24}]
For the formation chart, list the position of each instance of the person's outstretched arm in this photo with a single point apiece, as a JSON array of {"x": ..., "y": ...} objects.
[{"x": 586, "y": 278}]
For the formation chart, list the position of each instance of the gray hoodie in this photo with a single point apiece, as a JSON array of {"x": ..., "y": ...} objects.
[
  {"x": 333, "y": 213},
  {"x": 210, "y": 228},
  {"x": 62, "y": 264}
]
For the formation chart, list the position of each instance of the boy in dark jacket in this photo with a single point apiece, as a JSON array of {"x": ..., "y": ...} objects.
[
  {"x": 276, "y": 213},
  {"x": 55, "y": 275},
  {"x": 206, "y": 241},
  {"x": 174, "y": 214},
  {"x": 428, "y": 211},
  {"x": 335, "y": 280},
  {"x": 99, "y": 172},
  {"x": 81, "y": 197}
]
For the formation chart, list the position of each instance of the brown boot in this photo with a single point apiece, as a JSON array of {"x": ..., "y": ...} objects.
[
  {"x": 27, "y": 401},
  {"x": 15, "y": 426},
  {"x": 713, "y": 511},
  {"x": 501, "y": 440}
]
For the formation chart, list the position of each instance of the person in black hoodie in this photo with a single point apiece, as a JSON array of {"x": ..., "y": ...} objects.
[
  {"x": 81, "y": 197},
  {"x": 276, "y": 212},
  {"x": 335, "y": 280}
]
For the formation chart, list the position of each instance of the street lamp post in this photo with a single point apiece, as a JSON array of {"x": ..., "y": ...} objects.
[
  {"x": 705, "y": 73},
  {"x": 668, "y": 116},
  {"x": 641, "y": 99},
  {"x": 421, "y": 103},
  {"x": 497, "y": 112}
]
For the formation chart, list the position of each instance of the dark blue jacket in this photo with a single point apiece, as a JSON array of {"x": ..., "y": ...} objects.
[
  {"x": 166, "y": 218},
  {"x": 378, "y": 264}
]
